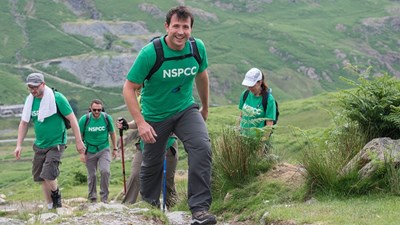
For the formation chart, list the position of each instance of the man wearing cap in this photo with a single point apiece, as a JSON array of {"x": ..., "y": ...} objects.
[
  {"x": 252, "y": 113},
  {"x": 45, "y": 107}
]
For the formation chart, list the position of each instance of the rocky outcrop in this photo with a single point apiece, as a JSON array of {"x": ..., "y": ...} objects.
[
  {"x": 135, "y": 33},
  {"x": 83, "y": 8},
  {"x": 374, "y": 154},
  {"x": 151, "y": 9},
  {"x": 97, "y": 71}
]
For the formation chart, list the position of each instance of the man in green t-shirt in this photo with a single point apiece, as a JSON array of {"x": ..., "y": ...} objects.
[
  {"x": 95, "y": 128},
  {"x": 45, "y": 107},
  {"x": 168, "y": 107}
]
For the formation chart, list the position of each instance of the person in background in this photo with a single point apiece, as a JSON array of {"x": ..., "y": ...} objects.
[
  {"x": 95, "y": 128},
  {"x": 252, "y": 113},
  {"x": 46, "y": 109},
  {"x": 133, "y": 184},
  {"x": 168, "y": 107}
]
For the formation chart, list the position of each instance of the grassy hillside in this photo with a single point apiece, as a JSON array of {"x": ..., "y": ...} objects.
[
  {"x": 301, "y": 45},
  {"x": 299, "y": 120}
]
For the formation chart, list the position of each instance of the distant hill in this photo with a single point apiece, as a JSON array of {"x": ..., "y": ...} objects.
[{"x": 302, "y": 45}]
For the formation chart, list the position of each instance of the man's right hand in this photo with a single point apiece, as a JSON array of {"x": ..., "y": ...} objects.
[
  {"x": 17, "y": 152},
  {"x": 122, "y": 123}
]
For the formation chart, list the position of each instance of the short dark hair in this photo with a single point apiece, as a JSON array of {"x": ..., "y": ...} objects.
[
  {"x": 96, "y": 101},
  {"x": 182, "y": 12}
]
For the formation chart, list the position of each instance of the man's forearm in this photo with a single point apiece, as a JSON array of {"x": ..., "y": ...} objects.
[
  {"x": 22, "y": 130},
  {"x": 203, "y": 88},
  {"x": 75, "y": 127},
  {"x": 131, "y": 101},
  {"x": 114, "y": 140}
]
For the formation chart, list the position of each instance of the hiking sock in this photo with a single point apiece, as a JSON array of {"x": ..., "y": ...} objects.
[
  {"x": 49, "y": 205},
  {"x": 56, "y": 197}
]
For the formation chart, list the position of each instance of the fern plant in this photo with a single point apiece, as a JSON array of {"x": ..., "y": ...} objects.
[{"x": 374, "y": 105}]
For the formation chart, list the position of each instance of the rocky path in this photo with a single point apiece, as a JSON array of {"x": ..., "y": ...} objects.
[{"x": 78, "y": 211}]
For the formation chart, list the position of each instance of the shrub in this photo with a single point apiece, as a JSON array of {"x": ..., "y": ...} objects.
[
  {"x": 374, "y": 105},
  {"x": 237, "y": 159},
  {"x": 79, "y": 178},
  {"x": 370, "y": 110}
]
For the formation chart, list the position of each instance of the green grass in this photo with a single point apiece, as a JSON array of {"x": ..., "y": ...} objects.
[
  {"x": 38, "y": 50},
  {"x": 11, "y": 86},
  {"x": 10, "y": 35},
  {"x": 363, "y": 210}
]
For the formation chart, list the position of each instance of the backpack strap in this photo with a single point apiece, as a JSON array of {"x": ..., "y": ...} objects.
[
  {"x": 195, "y": 49},
  {"x": 66, "y": 121},
  {"x": 246, "y": 93},
  {"x": 160, "y": 59},
  {"x": 105, "y": 116},
  {"x": 265, "y": 104},
  {"x": 265, "y": 101}
]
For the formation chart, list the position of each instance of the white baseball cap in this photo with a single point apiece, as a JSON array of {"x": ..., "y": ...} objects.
[{"x": 252, "y": 76}]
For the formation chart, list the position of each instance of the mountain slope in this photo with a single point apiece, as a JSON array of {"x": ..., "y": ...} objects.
[{"x": 302, "y": 45}]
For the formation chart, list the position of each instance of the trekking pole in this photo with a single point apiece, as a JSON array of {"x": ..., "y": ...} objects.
[
  {"x": 121, "y": 134},
  {"x": 164, "y": 181},
  {"x": 121, "y": 131}
]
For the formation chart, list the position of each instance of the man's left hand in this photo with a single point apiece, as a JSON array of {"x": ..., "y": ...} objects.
[
  {"x": 204, "y": 113},
  {"x": 80, "y": 147}
]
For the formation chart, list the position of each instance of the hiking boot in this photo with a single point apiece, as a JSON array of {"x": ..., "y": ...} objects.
[
  {"x": 203, "y": 217},
  {"x": 56, "y": 197}
]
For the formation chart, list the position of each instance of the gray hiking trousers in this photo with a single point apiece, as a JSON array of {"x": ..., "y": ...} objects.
[
  {"x": 190, "y": 128},
  {"x": 103, "y": 160}
]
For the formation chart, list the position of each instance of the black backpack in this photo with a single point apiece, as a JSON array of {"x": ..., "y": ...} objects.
[
  {"x": 160, "y": 59},
  {"x": 264, "y": 104},
  {"x": 66, "y": 121}
]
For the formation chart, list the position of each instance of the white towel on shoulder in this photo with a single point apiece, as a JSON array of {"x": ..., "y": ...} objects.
[{"x": 47, "y": 106}]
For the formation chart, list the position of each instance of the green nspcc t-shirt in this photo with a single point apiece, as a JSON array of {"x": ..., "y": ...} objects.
[
  {"x": 96, "y": 132},
  {"x": 170, "y": 88},
  {"x": 253, "y": 114},
  {"x": 51, "y": 131}
]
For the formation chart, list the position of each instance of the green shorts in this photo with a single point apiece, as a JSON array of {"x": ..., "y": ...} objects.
[{"x": 45, "y": 162}]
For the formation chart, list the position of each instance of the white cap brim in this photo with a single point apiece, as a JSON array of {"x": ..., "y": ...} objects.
[{"x": 248, "y": 83}]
